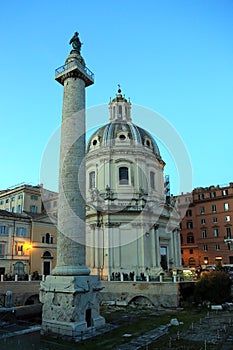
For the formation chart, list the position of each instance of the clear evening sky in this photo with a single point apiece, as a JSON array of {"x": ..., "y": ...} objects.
[{"x": 170, "y": 56}]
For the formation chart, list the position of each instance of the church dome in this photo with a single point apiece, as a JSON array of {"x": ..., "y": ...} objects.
[
  {"x": 121, "y": 131},
  {"x": 107, "y": 135}
]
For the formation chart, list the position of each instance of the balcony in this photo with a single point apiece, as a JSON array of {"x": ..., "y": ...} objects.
[{"x": 74, "y": 66}]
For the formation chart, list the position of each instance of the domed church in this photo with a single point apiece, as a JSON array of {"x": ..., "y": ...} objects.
[{"x": 132, "y": 229}]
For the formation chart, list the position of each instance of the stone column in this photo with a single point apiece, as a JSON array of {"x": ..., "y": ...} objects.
[
  {"x": 71, "y": 211},
  {"x": 70, "y": 296}
]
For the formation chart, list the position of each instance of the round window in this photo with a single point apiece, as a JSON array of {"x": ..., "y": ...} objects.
[
  {"x": 94, "y": 142},
  {"x": 122, "y": 137}
]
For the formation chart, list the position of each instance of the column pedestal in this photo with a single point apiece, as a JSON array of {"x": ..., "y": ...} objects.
[{"x": 70, "y": 305}]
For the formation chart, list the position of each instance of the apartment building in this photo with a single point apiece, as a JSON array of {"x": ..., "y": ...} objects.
[{"x": 206, "y": 227}]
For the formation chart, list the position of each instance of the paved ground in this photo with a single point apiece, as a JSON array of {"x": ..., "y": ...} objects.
[{"x": 146, "y": 339}]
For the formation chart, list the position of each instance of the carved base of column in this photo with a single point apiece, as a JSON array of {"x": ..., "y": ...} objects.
[{"x": 70, "y": 306}]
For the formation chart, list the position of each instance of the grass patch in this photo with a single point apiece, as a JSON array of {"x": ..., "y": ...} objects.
[{"x": 136, "y": 322}]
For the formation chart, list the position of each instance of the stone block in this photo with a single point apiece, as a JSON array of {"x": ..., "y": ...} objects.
[{"x": 70, "y": 305}]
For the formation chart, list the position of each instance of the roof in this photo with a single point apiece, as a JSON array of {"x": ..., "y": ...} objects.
[
  {"x": 13, "y": 215},
  {"x": 107, "y": 134}
]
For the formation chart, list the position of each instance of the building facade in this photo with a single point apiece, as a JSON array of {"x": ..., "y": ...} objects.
[
  {"x": 206, "y": 228},
  {"x": 22, "y": 198},
  {"x": 27, "y": 234},
  {"x": 132, "y": 230},
  {"x": 15, "y": 243}
]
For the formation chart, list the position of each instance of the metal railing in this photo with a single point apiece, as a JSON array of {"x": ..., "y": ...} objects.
[{"x": 71, "y": 64}]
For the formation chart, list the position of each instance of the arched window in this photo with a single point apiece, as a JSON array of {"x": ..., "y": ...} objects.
[
  {"x": 190, "y": 237},
  {"x": 120, "y": 112},
  {"x": 123, "y": 175},
  {"x": 47, "y": 255},
  {"x": 152, "y": 180},
  {"x": 48, "y": 238}
]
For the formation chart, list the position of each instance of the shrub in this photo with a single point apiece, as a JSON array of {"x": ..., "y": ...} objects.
[{"x": 214, "y": 286}]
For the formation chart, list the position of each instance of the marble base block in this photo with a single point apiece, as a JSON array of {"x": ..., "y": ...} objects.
[{"x": 70, "y": 305}]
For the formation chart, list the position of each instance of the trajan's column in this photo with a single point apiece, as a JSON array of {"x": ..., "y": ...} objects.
[{"x": 70, "y": 296}]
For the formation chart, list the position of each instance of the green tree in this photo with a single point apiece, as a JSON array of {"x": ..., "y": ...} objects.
[{"x": 214, "y": 286}]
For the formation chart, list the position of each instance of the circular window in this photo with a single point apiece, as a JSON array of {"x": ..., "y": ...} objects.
[
  {"x": 122, "y": 137},
  {"x": 94, "y": 142}
]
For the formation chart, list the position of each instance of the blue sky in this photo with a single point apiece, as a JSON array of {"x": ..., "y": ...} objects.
[{"x": 170, "y": 56}]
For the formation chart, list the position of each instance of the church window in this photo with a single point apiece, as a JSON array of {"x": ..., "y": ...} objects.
[
  {"x": 92, "y": 179},
  {"x": 94, "y": 142},
  {"x": 152, "y": 179},
  {"x": 123, "y": 176},
  {"x": 120, "y": 112},
  {"x": 122, "y": 137},
  {"x": 114, "y": 112},
  {"x": 147, "y": 143}
]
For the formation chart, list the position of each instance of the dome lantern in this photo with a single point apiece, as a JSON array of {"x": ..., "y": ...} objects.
[{"x": 120, "y": 108}]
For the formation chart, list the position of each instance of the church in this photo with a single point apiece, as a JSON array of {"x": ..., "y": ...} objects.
[{"x": 133, "y": 229}]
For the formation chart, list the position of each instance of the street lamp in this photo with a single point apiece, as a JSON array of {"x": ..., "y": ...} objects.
[{"x": 205, "y": 262}]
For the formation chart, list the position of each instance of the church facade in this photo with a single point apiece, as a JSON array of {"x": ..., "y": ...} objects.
[{"x": 132, "y": 228}]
